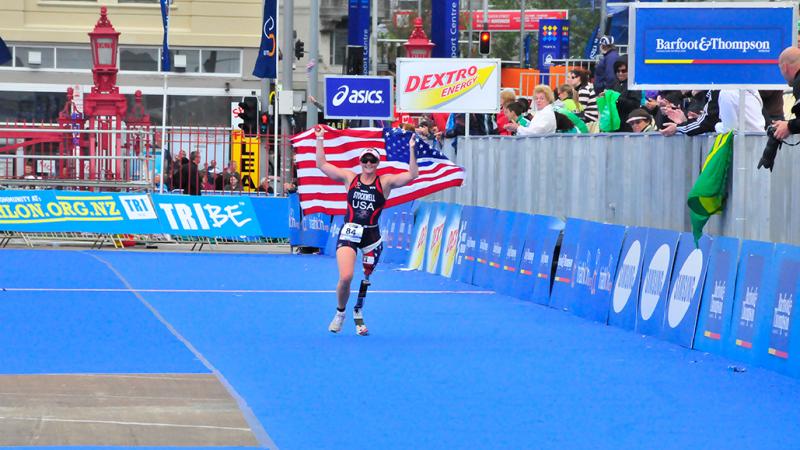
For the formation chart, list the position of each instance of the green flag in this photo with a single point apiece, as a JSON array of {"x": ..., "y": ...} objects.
[{"x": 708, "y": 195}]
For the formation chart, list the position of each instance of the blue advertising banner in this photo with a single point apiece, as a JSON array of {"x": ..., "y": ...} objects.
[
  {"x": 271, "y": 213},
  {"x": 451, "y": 236},
  {"x": 686, "y": 287},
  {"x": 419, "y": 238},
  {"x": 497, "y": 243},
  {"x": 166, "y": 64},
  {"x": 756, "y": 257},
  {"x": 42, "y": 211},
  {"x": 337, "y": 222},
  {"x": 601, "y": 244},
  {"x": 465, "y": 256},
  {"x": 659, "y": 258},
  {"x": 444, "y": 28},
  {"x": 563, "y": 294},
  {"x": 210, "y": 216},
  {"x": 394, "y": 232},
  {"x": 625, "y": 297},
  {"x": 485, "y": 223},
  {"x": 777, "y": 348},
  {"x": 534, "y": 279},
  {"x": 295, "y": 216},
  {"x": 716, "y": 306},
  {"x": 553, "y": 41},
  {"x": 700, "y": 46},
  {"x": 314, "y": 229},
  {"x": 512, "y": 254},
  {"x": 267, "y": 58},
  {"x": 435, "y": 237},
  {"x": 358, "y": 97}
]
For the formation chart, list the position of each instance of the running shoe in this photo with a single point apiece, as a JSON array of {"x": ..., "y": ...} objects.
[
  {"x": 361, "y": 328},
  {"x": 336, "y": 323}
]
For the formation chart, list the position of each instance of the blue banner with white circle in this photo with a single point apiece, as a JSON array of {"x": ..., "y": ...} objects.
[
  {"x": 625, "y": 296},
  {"x": 659, "y": 258},
  {"x": 358, "y": 97}
]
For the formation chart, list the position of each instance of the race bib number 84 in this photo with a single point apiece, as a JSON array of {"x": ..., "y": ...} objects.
[{"x": 352, "y": 232}]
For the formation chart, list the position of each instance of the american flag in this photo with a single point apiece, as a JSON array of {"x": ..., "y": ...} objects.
[{"x": 320, "y": 194}]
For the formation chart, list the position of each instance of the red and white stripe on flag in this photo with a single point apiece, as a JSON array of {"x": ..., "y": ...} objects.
[{"x": 320, "y": 194}]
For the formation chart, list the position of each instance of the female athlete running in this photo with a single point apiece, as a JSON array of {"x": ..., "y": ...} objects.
[{"x": 366, "y": 195}]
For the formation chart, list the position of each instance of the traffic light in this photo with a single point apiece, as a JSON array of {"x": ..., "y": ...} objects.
[
  {"x": 299, "y": 48},
  {"x": 263, "y": 123},
  {"x": 248, "y": 112},
  {"x": 485, "y": 43}
]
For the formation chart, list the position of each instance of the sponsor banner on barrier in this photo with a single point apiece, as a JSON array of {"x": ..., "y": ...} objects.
[
  {"x": 419, "y": 238},
  {"x": 596, "y": 267},
  {"x": 564, "y": 292},
  {"x": 534, "y": 278},
  {"x": 435, "y": 236},
  {"x": 358, "y": 97},
  {"x": 314, "y": 230},
  {"x": 756, "y": 258},
  {"x": 451, "y": 237},
  {"x": 777, "y": 347},
  {"x": 659, "y": 257},
  {"x": 512, "y": 254},
  {"x": 457, "y": 85},
  {"x": 485, "y": 223},
  {"x": 625, "y": 297},
  {"x": 497, "y": 244},
  {"x": 72, "y": 211},
  {"x": 271, "y": 213},
  {"x": 716, "y": 306},
  {"x": 295, "y": 216},
  {"x": 210, "y": 216},
  {"x": 337, "y": 222},
  {"x": 465, "y": 256},
  {"x": 686, "y": 287},
  {"x": 399, "y": 220}
]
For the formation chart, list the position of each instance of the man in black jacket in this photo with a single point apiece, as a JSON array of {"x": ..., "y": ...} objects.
[
  {"x": 190, "y": 175},
  {"x": 789, "y": 64}
]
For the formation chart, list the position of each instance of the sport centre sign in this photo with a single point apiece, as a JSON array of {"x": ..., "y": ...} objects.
[
  {"x": 358, "y": 97},
  {"x": 448, "y": 85},
  {"x": 709, "y": 46}
]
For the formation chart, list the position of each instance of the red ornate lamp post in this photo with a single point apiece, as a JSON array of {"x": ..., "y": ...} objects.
[
  {"x": 104, "y": 107},
  {"x": 418, "y": 45}
]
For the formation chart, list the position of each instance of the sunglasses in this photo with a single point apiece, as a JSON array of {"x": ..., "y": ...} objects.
[
  {"x": 622, "y": 71},
  {"x": 369, "y": 159}
]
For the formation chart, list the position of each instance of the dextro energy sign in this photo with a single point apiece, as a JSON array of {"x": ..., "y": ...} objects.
[{"x": 448, "y": 85}]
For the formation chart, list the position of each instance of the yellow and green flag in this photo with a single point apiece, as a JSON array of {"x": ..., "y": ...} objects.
[{"x": 708, "y": 195}]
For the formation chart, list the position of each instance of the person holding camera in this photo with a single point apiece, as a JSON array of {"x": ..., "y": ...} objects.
[{"x": 789, "y": 65}]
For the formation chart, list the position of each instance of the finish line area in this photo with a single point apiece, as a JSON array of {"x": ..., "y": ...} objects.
[{"x": 125, "y": 348}]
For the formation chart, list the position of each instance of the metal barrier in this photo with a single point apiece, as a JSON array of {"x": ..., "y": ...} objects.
[{"x": 629, "y": 179}]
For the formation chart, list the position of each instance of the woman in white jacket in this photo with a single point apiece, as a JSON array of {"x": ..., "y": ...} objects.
[{"x": 544, "y": 120}]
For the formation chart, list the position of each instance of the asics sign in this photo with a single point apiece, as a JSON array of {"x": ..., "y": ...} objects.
[{"x": 358, "y": 97}]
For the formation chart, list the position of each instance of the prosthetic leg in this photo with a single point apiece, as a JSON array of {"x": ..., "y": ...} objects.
[{"x": 369, "y": 261}]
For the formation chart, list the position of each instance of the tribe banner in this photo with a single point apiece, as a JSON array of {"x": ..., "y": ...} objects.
[
  {"x": 700, "y": 46},
  {"x": 210, "y": 216},
  {"x": 448, "y": 85},
  {"x": 72, "y": 211}
]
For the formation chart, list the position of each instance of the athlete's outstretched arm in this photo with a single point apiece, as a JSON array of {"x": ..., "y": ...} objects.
[
  {"x": 327, "y": 168},
  {"x": 402, "y": 179}
]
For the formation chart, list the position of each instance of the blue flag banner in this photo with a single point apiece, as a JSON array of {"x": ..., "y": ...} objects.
[
  {"x": 267, "y": 59},
  {"x": 512, "y": 254},
  {"x": 434, "y": 244},
  {"x": 166, "y": 65},
  {"x": 210, "y": 216},
  {"x": 686, "y": 287},
  {"x": 444, "y": 28},
  {"x": 497, "y": 243},
  {"x": 625, "y": 297},
  {"x": 487, "y": 220},
  {"x": 337, "y": 222},
  {"x": 534, "y": 280},
  {"x": 295, "y": 216},
  {"x": 451, "y": 234},
  {"x": 777, "y": 346},
  {"x": 271, "y": 213},
  {"x": 314, "y": 229},
  {"x": 5, "y": 53},
  {"x": 716, "y": 307},
  {"x": 465, "y": 258},
  {"x": 572, "y": 248},
  {"x": 756, "y": 259},
  {"x": 419, "y": 238},
  {"x": 596, "y": 267},
  {"x": 553, "y": 41},
  {"x": 659, "y": 258}
]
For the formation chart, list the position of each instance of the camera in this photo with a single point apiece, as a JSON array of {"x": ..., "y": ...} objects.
[{"x": 770, "y": 150}]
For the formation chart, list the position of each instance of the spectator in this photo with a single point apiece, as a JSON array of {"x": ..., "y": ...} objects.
[
  {"x": 515, "y": 117},
  {"x": 423, "y": 129},
  {"x": 265, "y": 187},
  {"x": 506, "y": 96},
  {"x": 604, "y": 72},
  {"x": 568, "y": 99},
  {"x": 233, "y": 185},
  {"x": 578, "y": 78},
  {"x": 190, "y": 175},
  {"x": 628, "y": 100},
  {"x": 290, "y": 187},
  {"x": 177, "y": 170},
  {"x": 704, "y": 123},
  {"x": 205, "y": 184},
  {"x": 640, "y": 121},
  {"x": 773, "y": 105},
  {"x": 544, "y": 120},
  {"x": 231, "y": 172},
  {"x": 667, "y": 101},
  {"x": 729, "y": 111}
]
